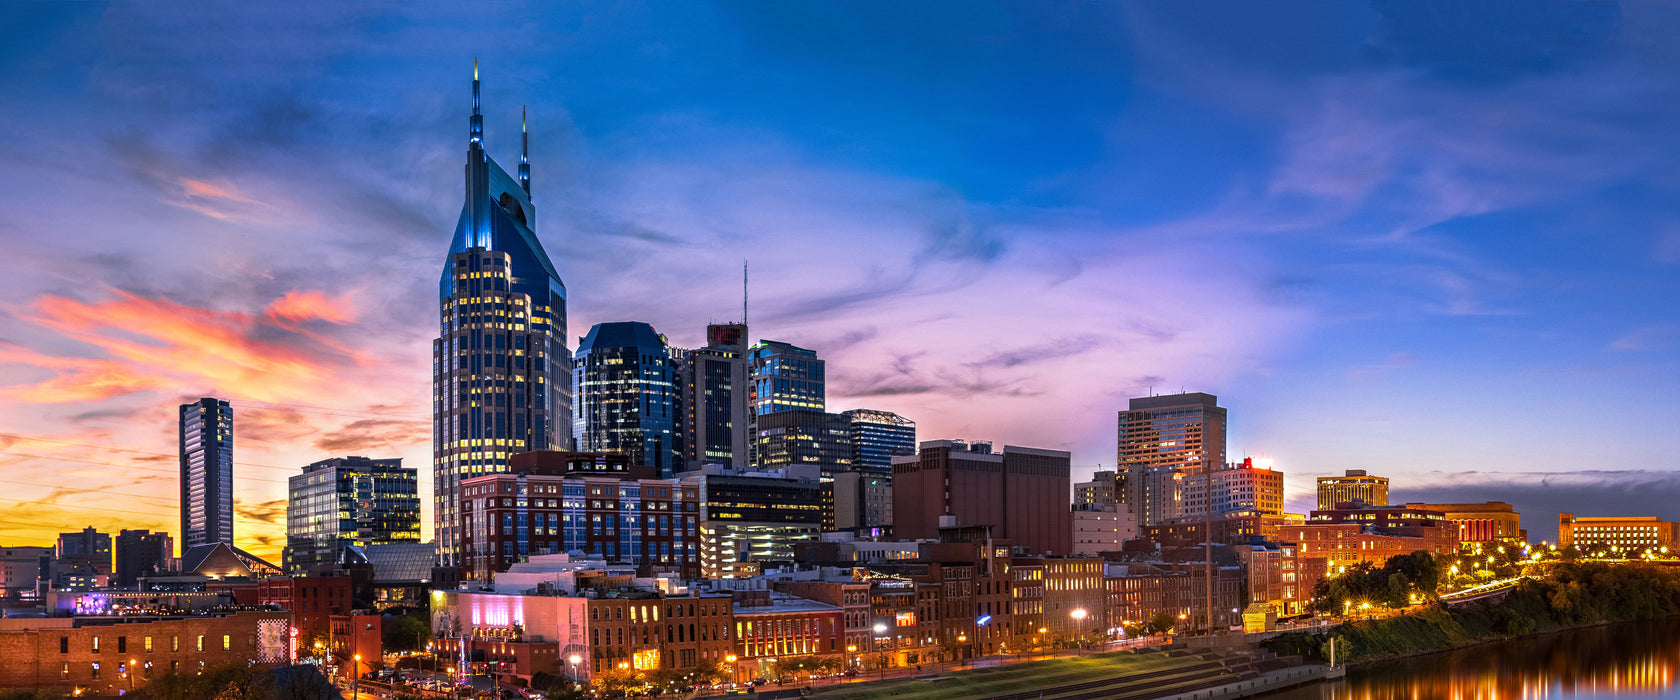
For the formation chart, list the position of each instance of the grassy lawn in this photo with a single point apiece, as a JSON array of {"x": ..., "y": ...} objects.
[{"x": 1014, "y": 678}]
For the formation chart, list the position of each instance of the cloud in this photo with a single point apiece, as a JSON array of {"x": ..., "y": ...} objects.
[
  {"x": 272, "y": 512},
  {"x": 365, "y": 437},
  {"x": 1541, "y": 496},
  {"x": 1653, "y": 337}
]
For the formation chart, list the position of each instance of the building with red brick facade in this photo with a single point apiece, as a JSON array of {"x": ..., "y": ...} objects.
[
  {"x": 1021, "y": 493},
  {"x": 99, "y": 655},
  {"x": 311, "y": 601}
]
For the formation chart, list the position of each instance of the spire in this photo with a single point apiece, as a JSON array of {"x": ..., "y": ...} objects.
[
  {"x": 524, "y": 153},
  {"x": 475, "y": 130}
]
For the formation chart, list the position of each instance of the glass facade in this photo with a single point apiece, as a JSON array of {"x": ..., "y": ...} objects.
[
  {"x": 626, "y": 385},
  {"x": 785, "y": 377},
  {"x": 348, "y": 501},
  {"x": 206, "y": 472},
  {"x": 877, "y": 437},
  {"x": 500, "y": 365},
  {"x": 714, "y": 399},
  {"x": 803, "y": 437}
]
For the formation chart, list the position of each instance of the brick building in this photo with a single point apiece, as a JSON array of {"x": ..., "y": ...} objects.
[
  {"x": 310, "y": 601},
  {"x": 105, "y": 656},
  {"x": 1021, "y": 493},
  {"x": 770, "y": 625}
]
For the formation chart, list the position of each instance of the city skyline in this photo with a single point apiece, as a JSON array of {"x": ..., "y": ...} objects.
[{"x": 1440, "y": 260}]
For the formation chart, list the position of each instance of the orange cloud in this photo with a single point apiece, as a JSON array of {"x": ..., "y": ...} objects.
[
  {"x": 296, "y": 307},
  {"x": 158, "y": 343}
]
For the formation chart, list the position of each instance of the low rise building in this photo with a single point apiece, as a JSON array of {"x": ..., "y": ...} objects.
[
  {"x": 110, "y": 655},
  {"x": 769, "y": 626},
  {"x": 1493, "y": 521},
  {"x": 1628, "y": 537}
]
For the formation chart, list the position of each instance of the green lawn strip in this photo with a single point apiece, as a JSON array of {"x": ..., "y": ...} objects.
[{"x": 1015, "y": 678}]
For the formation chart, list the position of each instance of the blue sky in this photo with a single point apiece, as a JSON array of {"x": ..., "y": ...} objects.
[{"x": 1437, "y": 240}]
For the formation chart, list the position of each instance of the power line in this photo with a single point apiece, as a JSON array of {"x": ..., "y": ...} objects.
[
  {"x": 126, "y": 466},
  {"x": 126, "y": 449},
  {"x": 114, "y": 510}
]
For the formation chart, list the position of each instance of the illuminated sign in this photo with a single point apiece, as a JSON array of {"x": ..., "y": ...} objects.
[{"x": 907, "y": 619}]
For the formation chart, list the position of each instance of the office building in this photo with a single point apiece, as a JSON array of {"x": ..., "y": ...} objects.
[
  {"x": 753, "y": 519},
  {"x": 501, "y": 377},
  {"x": 1163, "y": 439},
  {"x": 1019, "y": 494},
  {"x": 1101, "y": 489},
  {"x": 626, "y": 399},
  {"x": 1354, "y": 485},
  {"x": 713, "y": 387},
  {"x": 1101, "y": 527},
  {"x": 803, "y": 437},
  {"x": 877, "y": 437},
  {"x": 348, "y": 501},
  {"x": 25, "y": 572},
  {"x": 785, "y": 377},
  {"x": 1492, "y": 521},
  {"x": 863, "y": 503},
  {"x": 1366, "y": 533},
  {"x": 1240, "y": 486},
  {"x": 1617, "y": 537},
  {"x": 206, "y": 472},
  {"x": 83, "y": 555},
  {"x": 142, "y": 553},
  {"x": 596, "y": 503}
]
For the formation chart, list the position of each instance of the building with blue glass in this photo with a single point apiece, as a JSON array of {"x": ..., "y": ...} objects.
[
  {"x": 626, "y": 401},
  {"x": 501, "y": 367},
  {"x": 877, "y": 437},
  {"x": 785, "y": 377},
  {"x": 348, "y": 502},
  {"x": 206, "y": 432}
]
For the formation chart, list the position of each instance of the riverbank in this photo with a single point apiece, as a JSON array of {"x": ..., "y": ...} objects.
[{"x": 1570, "y": 597}]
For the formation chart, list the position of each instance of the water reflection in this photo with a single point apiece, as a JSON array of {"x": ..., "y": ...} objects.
[{"x": 1635, "y": 660}]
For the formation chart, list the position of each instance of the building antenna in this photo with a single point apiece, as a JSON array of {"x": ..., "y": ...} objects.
[
  {"x": 524, "y": 153},
  {"x": 743, "y": 292},
  {"x": 475, "y": 127}
]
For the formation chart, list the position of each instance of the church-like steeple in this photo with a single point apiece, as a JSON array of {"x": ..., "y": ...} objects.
[
  {"x": 524, "y": 154},
  {"x": 475, "y": 131}
]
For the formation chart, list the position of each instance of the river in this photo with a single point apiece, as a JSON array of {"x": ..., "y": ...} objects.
[{"x": 1630, "y": 660}]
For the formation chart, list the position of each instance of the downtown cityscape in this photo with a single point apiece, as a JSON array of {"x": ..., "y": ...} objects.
[{"x": 835, "y": 405}]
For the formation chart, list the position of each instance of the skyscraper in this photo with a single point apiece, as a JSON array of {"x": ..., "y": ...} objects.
[
  {"x": 815, "y": 438},
  {"x": 877, "y": 437},
  {"x": 627, "y": 395},
  {"x": 1162, "y": 439},
  {"x": 206, "y": 473},
  {"x": 785, "y": 377},
  {"x": 501, "y": 381},
  {"x": 348, "y": 501},
  {"x": 713, "y": 391}
]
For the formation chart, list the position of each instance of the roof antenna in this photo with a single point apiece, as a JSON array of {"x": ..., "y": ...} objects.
[
  {"x": 475, "y": 131},
  {"x": 524, "y": 154},
  {"x": 743, "y": 292}
]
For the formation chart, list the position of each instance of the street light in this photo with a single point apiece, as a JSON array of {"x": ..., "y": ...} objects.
[
  {"x": 734, "y": 677},
  {"x": 356, "y": 677},
  {"x": 1078, "y": 616},
  {"x": 880, "y": 630},
  {"x": 575, "y": 660}
]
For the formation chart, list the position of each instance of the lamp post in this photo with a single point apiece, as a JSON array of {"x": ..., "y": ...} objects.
[
  {"x": 880, "y": 630},
  {"x": 962, "y": 648},
  {"x": 575, "y": 660},
  {"x": 851, "y": 655},
  {"x": 356, "y": 677},
  {"x": 1078, "y": 616},
  {"x": 734, "y": 677}
]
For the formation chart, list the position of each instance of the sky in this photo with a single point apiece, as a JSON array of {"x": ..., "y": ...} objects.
[{"x": 1436, "y": 240}]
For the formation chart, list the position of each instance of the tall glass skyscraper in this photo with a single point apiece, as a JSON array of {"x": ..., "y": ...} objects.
[
  {"x": 877, "y": 437},
  {"x": 785, "y": 377},
  {"x": 501, "y": 380},
  {"x": 348, "y": 501},
  {"x": 713, "y": 385},
  {"x": 626, "y": 385},
  {"x": 206, "y": 473}
]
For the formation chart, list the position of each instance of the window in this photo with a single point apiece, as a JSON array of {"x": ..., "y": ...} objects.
[
  {"x": 227, "y": 642},
  {"x": 174, "y": 645},
  {"x": 96, "y": 670},
  {"x": 64, "y": 670},
  {"x": 122, "y": 645},
  {"x": 95, "y": 645},
  {"x": 201, "y": 642},
  {"x": 64, "y": 645},
  {"x": 148, "y": 644}
]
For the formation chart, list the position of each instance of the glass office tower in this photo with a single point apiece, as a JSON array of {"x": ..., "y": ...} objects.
[
  {"x": 877, "y": 437},
  {"x": 206, "y": 473},
  {"x": 626, "y": 385},
  {"x": 348, "y": 501},
  {"x": 713, "y": 388},
  {"x": 500, "y": 366}
]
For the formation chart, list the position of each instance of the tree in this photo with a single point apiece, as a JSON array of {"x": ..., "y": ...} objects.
[
  {"x": 1161, "y": 623},
  {"x": 618, "y": 680},
  {"x": 405, "y": 633}
]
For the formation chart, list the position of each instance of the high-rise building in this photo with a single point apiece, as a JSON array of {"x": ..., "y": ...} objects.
[
  {"x": 713, "y": 390},
  {"x": 81, "y": 557},
  {"x": 626, "y": 398},
  {"x": 799, "y": 436},
  {"x": 1099, "y": 490},
  {"x": 348, "y": 501},
  {"x": 878, "y": 437},
  {"x": 1355, "y": 485},
  {"x": 141, "y": 552},
  {"x": 785, "y": 377},
  {"x": 1239, "y": 486},
  {"x": 1162, "y": 439},
  {"x": 1101, "y": 523},
  {"x": 206, "y": 473},
  {"x": 750, "y": 519},
  {"x": 1020, "y": 494},
  {"x": 501, "y": 371},
  {"x": 863, "y": 503}
]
